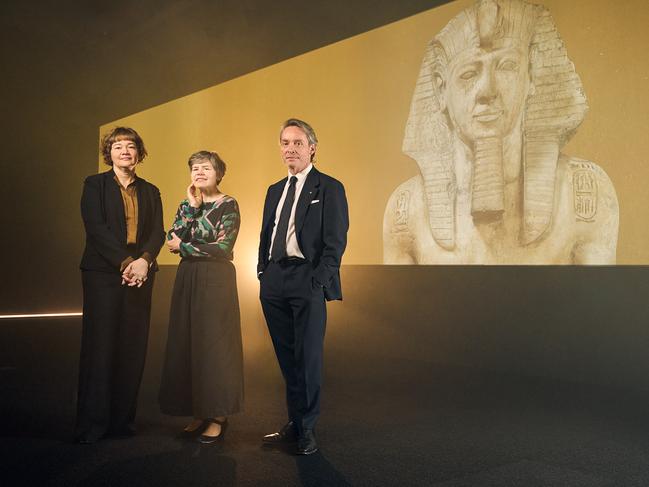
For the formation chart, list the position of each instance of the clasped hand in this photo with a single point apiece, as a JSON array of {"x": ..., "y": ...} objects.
[{"x": 135, "y": 273}]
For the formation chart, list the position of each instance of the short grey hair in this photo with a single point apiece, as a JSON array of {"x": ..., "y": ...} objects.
[
  {"x": 306, "y": 128},
  {"x": 213, "y": 158}
]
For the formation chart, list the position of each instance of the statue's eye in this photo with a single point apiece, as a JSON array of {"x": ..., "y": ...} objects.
[
  {"x": 468, "y": 74},
  {"x": 508, "y": 65}
]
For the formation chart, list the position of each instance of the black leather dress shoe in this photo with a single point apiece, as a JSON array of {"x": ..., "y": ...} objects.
[
  {"x": 286, "y": 435},
  {"x": 306, "y": 444}
]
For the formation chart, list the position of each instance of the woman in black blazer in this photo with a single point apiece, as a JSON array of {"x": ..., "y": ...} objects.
[{"x": 122, "y": 215}]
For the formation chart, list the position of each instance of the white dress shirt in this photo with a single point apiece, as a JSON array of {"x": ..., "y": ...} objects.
[{"x": 292, "y": 247}]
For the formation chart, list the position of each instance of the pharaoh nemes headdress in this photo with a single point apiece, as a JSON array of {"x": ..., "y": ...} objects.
[{"x": 554, "y": 108}]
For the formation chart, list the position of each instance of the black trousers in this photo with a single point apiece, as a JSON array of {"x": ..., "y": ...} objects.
[
  {"x": 296, "y": 314},
  {"x": 113, "y": 349}
]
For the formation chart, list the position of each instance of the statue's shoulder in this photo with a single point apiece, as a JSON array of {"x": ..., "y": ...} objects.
[
  {"x": 403, "y": 212},
  {"x": 409, "y": 189},
  {"x": 592, "y": 190},
  {"x": 406, "y": 200},
  {"x": 593, "y": 206},
  {"x": 578, "y": 166}
]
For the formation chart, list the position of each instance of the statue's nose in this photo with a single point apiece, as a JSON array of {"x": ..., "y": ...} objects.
[{"x": 487, "y": 90}]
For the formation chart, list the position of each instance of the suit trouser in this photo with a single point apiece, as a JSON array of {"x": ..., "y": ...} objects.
[
  {"x": 296, "y": 315},
  {"x": 113, "y": 349}
]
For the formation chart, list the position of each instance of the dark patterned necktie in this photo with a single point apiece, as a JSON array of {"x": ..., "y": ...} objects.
[{"x": 279, "y": 243}]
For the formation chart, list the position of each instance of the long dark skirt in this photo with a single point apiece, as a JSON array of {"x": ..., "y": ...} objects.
[{"x": 202, "y": 374}]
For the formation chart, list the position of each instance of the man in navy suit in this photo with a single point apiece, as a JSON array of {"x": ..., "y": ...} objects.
[{"x": 303, "y": 237}]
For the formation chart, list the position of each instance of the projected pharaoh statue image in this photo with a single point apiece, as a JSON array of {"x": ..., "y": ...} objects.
[{"x": 496, "y": 100}]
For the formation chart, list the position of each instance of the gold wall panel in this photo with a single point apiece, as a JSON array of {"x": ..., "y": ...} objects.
[{"x": 356, "y": 94}]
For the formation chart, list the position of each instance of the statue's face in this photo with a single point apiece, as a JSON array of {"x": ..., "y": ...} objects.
[{"x": 485, "y": 91}]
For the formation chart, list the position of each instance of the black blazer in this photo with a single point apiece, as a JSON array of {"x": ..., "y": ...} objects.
[
  {"x": 321, "y": 223},
  {"x": 102, "y": 210}
]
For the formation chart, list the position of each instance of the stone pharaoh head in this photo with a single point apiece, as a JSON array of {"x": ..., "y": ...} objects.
[{"x": 545, "y": 101}]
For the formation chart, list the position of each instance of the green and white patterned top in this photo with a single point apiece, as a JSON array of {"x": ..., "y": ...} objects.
[{"x": 208, "y": 231}]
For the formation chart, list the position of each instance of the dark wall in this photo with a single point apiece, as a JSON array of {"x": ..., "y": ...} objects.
[
  {"x": 571, "y": 324},
  {"x": 69, "y": 67},
  {"x": 574, "y": 324}
]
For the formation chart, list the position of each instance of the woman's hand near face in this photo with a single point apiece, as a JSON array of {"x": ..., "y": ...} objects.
[
  {"x": 174, "y": 244},
  {"x": 135, "y": 273},
  {"x": 194, "y": 196}
]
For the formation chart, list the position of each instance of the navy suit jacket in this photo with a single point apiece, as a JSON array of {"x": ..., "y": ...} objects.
[
  {"x": 321, "y": 223},
  {"x": 102, "y": 210}
]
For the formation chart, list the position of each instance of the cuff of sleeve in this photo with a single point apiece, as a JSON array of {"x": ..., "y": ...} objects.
[
  {"x": 184, "y": 249},
  {"x": 147, "y": 256},
  {"x": 125, "y": 263}
]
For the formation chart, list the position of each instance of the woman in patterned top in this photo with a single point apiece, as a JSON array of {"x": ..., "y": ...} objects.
[{"x": 203, "y": 369}]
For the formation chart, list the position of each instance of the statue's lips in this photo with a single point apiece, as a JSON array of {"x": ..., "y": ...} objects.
[{"x": 489, "y": 116}]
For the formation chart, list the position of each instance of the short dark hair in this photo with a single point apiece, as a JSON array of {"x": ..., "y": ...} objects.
[
  {"x": 117, "y": 134},
  {"x": 213, "y": 158},
  {"x": 306, "y": 128}
]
